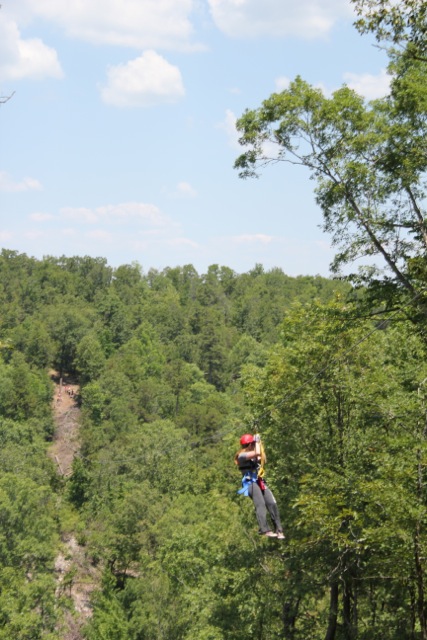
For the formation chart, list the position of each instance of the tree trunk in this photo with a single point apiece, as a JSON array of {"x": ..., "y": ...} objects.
[
  {"x": 419, "y": 572},
  {"x": 420, "y": 586},
  {"x": 333, "y": 612},
  {"x": 350, "y": 631},
  {"x": 413, "y": 611},
  {"x": 290, "y": 610}
]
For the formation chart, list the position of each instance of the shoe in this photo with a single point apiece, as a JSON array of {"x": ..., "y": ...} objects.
[
  {"x": 280, "y": 535},
  {"x": 269, "y": 534}
]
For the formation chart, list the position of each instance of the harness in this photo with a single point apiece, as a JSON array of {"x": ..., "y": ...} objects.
[
  {"x": 254, "y": 475},
  {"x": 249, "y": 478}
]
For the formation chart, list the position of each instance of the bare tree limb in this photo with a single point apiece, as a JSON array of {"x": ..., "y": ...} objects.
[{"x": 4, "y": 99}]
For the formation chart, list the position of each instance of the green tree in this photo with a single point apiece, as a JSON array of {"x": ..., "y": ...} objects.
[
  {"x": 33, "y": 339},
  {"x": 115, "y": 319},
  {"x": 369, "y": 163},
  {"x": 214, "y": 339},
  {"x": 24, "y": 392},
  {"x": 67, "y": 324},
  {"x": 90, "y": 274},
  {"x": 402, "y": 23},
  {"x": 343, "y": 418},
  {"x": 27, "y": 539},
  {"x": 89, "y": 359}
]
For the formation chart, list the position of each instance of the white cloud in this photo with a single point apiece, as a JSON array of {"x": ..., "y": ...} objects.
[
  {"x": 282, "y": 83},
  {"x": 277, "y": 18},
  {"x": 140, "y": 24},
  {"x": 7, "y": 183},
  {"x": 100, "y": 235},
  {"x": 183, "y": 242},
  {"x": 185, "y": 189},
  {"x": 5, "y": 236},
  {"x": 368, "y": 85},
  {"x": 41, "y": 217},
  {"x": 80, "y": 214},
  {"x": 327, "y": 92},
  {"x": 257, "y": 238},
  {"x": 229, "y": 126},
  {"x": 69, "y": 233},
  {"x": 34, "y": 234},
  {"x": 143, "y": 82},
  {"x": 148, "y": 214},
  {"x": 21, "y": 58}
]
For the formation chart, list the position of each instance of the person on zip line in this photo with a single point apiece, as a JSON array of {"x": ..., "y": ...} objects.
[{"x": 250, "y": 460}]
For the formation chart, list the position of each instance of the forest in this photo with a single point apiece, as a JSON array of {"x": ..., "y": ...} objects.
[{"x": 173, "y": 366}]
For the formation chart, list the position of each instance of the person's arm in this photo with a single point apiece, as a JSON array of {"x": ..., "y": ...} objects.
[{"x": 249, "y": 455}]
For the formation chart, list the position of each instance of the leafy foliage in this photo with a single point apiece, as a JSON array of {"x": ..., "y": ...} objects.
[{"x": 369, "y": 163}]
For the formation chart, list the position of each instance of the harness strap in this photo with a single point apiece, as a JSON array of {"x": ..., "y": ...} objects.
[{"x": 249, "y": 478}]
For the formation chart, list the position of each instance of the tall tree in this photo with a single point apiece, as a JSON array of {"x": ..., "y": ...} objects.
[
  {"x": 369, "y": 162},
  {"x": 341, "y": 407},
  {"x": 402, "y": 23}
]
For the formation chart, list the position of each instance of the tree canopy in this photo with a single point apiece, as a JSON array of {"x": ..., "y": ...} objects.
[{"x": 368, "y": 160}]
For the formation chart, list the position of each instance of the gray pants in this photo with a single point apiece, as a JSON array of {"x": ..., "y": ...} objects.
[{"x": 264, "y": 501}]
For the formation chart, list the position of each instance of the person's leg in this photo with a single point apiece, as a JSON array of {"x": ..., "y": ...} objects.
[
  {"x": 271, "y": 505},
  {"x": 260, "y": 507}
]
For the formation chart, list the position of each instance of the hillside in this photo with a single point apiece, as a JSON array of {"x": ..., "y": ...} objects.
[{"x": 121, "y": 516}]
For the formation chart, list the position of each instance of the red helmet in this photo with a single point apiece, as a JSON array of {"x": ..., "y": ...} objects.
[{"x": 247, "y": 439}]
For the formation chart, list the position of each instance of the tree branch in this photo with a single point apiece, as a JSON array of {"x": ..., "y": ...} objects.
[
  {"x": 419, "y": 215},
  {"x": 4, "y": 99}
]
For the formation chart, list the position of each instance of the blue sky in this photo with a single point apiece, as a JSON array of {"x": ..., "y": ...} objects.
[{"x": 119, "y": 139}]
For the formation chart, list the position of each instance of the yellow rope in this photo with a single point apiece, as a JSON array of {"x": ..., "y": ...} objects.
[{"x": 263, "y": 459}]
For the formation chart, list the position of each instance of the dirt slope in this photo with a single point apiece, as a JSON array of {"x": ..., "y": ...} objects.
[
  {"x": 76, "y": 576},
  {"x": 66, "y": 414}
]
